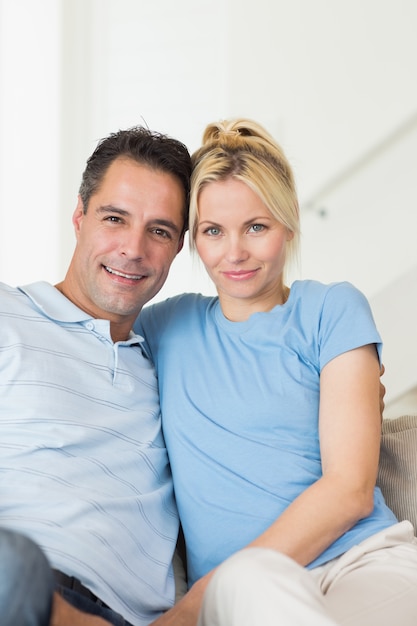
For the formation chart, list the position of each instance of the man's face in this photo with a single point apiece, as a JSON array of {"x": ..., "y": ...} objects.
[{"x": 126, "y": 241}]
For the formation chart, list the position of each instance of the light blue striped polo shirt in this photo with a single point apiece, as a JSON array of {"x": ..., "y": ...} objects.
[{"x": 83, "y": 465}]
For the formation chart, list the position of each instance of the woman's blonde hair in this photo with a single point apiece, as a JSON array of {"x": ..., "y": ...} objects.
[{"x": 243, "y": 149}]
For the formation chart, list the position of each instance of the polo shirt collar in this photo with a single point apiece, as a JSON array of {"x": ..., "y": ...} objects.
[
  {"x": 53, "y": 303},
  {"x": 57, "y": 307}
]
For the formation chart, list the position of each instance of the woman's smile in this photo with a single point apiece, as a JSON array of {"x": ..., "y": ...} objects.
[{"x": 240, "y": 275}]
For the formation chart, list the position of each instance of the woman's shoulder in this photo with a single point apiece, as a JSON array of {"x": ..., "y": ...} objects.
[
  {"x": 181, "y": 306},
  {"x": 315, "y": 286},
  {"x": 315, "y": 302},
  {"x": 316, "y": 290},
  {"x": 182, "y": 301}
]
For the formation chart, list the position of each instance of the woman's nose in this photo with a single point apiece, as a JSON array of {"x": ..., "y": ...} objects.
[{"x": 236, "y": 250}]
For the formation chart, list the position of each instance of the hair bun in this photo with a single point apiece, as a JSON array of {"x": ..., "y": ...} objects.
[{"x": 233, "y": 131}]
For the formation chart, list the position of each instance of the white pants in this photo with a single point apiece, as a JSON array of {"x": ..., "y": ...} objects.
[{"x": 373, "y": 584}]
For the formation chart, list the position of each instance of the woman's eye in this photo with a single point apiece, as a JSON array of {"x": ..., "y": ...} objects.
[
  {"x": 256, "y": 228},
  {"x": 213, "y": 231}
]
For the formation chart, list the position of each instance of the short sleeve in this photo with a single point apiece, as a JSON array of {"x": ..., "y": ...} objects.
[{"x": 346, "y": 323}]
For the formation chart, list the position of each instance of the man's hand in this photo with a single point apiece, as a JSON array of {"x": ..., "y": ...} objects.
[
  {"x": 64, "y": 614},
  {"x": 381, "y": 392}
]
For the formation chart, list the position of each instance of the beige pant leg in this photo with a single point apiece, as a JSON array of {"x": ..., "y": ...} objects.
[
  {"x": 374, "y": 583},
  {"x": 259, "y": 587}
]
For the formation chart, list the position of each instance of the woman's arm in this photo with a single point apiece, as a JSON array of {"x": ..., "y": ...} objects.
[
  {"x": 186, "y": 611},
  {"x": 349, "y": 428}
]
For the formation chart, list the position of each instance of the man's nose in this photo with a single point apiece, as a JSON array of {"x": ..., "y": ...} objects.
[{"x": 133, "y": 245}]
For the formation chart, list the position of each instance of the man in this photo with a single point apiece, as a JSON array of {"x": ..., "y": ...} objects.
[{"x": 85, "y": 472}]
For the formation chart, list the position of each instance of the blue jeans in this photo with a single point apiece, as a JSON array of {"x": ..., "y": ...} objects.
[
  {"x": 88, "y": 606},
  {"x": 27, "y": 586},
  {"x": 26, "y": 582}
]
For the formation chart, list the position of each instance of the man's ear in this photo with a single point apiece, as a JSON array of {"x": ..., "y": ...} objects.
[
  {"x": 181, "y": 243},
  {"x": 78, "y": 216}
]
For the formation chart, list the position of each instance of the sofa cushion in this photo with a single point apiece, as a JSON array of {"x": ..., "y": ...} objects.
[{"x": 397, "y": 475}]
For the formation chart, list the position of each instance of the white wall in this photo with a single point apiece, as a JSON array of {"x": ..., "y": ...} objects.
[
  {"x": 365, "y": 228},
  {"x": 30, "y": 75},
  {"x": 331, "y": 79}
]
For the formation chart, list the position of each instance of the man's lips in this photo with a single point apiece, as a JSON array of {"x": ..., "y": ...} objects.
[{"x": 114, "y": 272}]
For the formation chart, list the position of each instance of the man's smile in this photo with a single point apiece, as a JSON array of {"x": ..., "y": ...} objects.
[{"x": 110, "y": 270}]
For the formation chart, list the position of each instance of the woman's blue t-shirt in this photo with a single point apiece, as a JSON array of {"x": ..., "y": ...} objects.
[{"x": 240, "y": 403}]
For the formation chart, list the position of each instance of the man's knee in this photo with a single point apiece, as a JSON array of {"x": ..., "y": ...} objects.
[{"x": 26, "y": 581}]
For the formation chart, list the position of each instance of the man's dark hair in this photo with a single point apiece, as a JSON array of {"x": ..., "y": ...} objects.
[{"x": 157, "y": 151}]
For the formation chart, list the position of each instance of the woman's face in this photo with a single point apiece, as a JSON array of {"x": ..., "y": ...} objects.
[{"x": 241, "y": 245}]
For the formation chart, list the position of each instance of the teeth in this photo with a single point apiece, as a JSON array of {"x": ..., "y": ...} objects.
[{"x": 130, "y": 276}]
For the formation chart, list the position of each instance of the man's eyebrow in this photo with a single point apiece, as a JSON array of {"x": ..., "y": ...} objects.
[
  {"x": 166, "y": 223},
  {"x": 109, "y": 208}
]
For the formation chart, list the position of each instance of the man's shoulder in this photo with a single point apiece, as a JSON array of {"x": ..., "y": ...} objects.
[
  {"x": 11, "y": 298},
  {"x": 8, "y": 289}
]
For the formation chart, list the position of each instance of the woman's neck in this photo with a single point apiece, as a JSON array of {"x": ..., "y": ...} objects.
[{"x": 240, "y": 309}]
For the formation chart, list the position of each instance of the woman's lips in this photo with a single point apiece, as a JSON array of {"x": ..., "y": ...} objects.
[{"x": 240, "y": 275}]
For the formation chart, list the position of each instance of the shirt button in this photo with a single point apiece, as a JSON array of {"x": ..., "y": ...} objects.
[{"x": 89, "y": 326}]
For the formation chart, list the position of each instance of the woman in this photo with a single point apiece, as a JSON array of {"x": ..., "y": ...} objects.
[{"x": 271, "y": 416}]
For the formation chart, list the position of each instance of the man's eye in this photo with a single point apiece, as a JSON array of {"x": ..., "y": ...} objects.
[
  {"x": 162, "y": 233},
  {"x": 113, "y": 218}
]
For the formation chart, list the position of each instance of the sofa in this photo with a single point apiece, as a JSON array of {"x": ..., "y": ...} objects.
[{"x": 397, "y": 475}]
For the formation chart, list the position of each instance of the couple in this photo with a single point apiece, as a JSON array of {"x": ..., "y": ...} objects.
[{"x": 269, "y": 400}]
